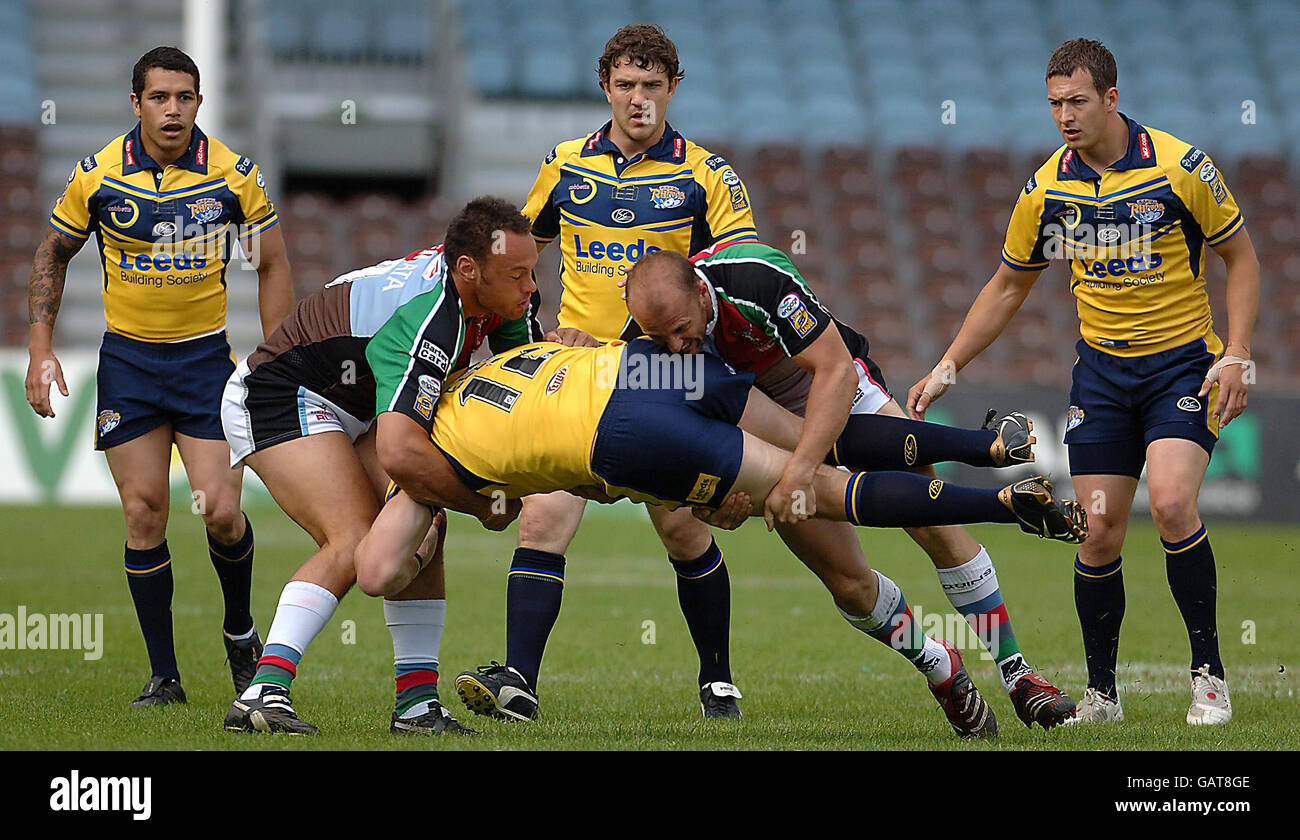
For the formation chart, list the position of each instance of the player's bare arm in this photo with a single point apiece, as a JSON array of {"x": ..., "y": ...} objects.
[
  {"x": 829, "y": 399},
  {"x": 44, "y": 294},
  {"x": 274, "y": 280},
  {"x": 415, "y": 464},
  {"x": 1238, "y": 254},
  {"x": 988, "y": 316}
]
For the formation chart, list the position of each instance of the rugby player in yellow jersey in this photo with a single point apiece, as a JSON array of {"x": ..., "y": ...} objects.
[
  {"x": 1131, "y": 208},
  {"x": 165, "y": 202},
  {"x": 633, "y": 187},
  {"x": 633, "y": 420}
]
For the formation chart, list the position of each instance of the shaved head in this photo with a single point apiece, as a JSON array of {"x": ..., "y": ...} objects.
[{"x": 669, "y": 301}]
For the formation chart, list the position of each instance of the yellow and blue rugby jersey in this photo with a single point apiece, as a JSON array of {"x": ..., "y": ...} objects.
[
  {"x": 163, "y": 233},
  {"x": 558, "y": 393},
  {"x": 1135, "y": 237},
  {"x": 609, "y": 211}
]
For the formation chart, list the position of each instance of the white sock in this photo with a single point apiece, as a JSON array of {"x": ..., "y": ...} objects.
[
  {"x": 416, "y": 628},
  {"x": 303, "y": 611}
]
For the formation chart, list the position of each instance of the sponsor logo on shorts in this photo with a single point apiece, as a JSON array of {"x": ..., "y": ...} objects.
[
  {"x": 909, "y": 447},
  {"x": 1146, "y": 210},
  {"x": 792, "y": 308},
  {"x": 667, "y": 197},
  {"x": 1073, "y": 417},
  {"x": 705, "y": 486},
  {"x": 1189, "y": 404},
  {"x": 433, "y": 354},
  {"x": 936, "y": 487},
  {"x": 622, "y": 216},
  {"x": 107, "y": 421},
  {"x": 557, "y": 379}
]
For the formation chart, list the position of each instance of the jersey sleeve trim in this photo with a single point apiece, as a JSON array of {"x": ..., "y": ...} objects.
[
  {"x": 1227, "y": 232},
  {"x": 67, "y": 229},
  {"x": 1023, "y": 266}
]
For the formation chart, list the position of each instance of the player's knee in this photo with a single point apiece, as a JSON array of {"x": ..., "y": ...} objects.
[
  {"x": 1105, "y": 541},
  {"x": 685, "y": 537},
  {"x": 224, "y": 520},
  {"x": 146, "y": 515},
  {"x": 380, "y": 579},
  {"x": 1174, "y": 512}
]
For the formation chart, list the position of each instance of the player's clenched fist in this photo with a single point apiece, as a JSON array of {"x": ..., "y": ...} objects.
[{"x": 930, "y": 388}]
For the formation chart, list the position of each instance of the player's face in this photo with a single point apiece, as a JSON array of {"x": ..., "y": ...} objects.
[
  {"x": 167, "y": 109},
  {"x": 1080, "y": 112},
  {"x": 505, "y": 283},
  {"x": 639, "y": 99},
  {"x": 678, "y": 319}
]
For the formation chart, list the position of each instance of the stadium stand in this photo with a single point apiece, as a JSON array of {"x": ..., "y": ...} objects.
[{"x": 885, "y": 139}]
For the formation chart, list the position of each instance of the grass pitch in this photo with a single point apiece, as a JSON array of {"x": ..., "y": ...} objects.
[{"x": 620, "y": 668}]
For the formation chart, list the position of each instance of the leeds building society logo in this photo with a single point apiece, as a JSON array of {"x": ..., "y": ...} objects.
[
  {"x": 205, "y": 210},
  {"x": 705, "y": 485}
]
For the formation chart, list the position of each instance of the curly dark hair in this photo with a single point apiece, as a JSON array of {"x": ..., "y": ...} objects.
[
  {"x": 163, "y": 58},
  {"x": 1091, "y": 56},
  {"x": 644, "y": 44},
  {"x": 474, "y": 228}
]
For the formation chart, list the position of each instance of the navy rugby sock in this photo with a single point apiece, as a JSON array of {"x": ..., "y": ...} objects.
[
  {"x": 881, "y": 442},
  {"x": 534, "y": 589},
  {"x": 1189, "y": 566},
  {"x": 704, "y": 592},
  {"x": 908, "y": 500},
  {"x": 149, "y": 575},
  {"x": 234, "y": 565},
  {"x": 1099, "y": 600}
]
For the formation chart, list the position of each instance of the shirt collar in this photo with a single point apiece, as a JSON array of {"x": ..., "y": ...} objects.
[
  {"x": 1140, "y": 154},
  {"x": 136, "y": 159},
  {"x": 713, "y": 299},
  {"x": 671, "y": 147}
]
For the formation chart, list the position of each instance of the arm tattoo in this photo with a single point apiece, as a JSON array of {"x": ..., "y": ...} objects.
[{"x": 49, "y": 270}]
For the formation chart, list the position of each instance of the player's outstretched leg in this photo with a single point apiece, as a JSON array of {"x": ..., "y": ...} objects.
[
  {"x": 322, "y": 485},
  {"x": 888, "y": 441}
]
